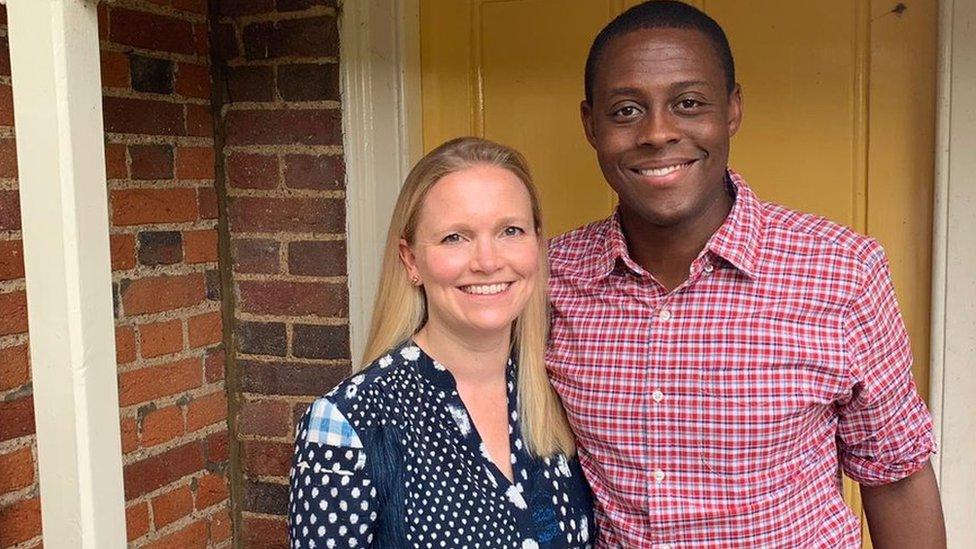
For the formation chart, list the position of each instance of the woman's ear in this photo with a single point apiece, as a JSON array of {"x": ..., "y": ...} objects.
[{"x": 409, "y": 260}]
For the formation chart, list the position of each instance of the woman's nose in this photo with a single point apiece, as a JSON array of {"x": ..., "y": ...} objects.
[{"x": 485, "y": 257}]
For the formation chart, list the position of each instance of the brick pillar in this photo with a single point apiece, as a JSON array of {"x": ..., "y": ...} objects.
[
  {"x": 161, "y": 170},
  {"x": 282, "y": 154}
]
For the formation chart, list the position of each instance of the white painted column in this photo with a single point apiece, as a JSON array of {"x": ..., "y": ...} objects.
[
  {"x": 382, "y": 136},
  {"x": 953, "y": 376},
  {"x": 61, "y": 159}
]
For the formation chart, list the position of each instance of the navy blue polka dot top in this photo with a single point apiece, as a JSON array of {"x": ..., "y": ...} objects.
[{"x": 390, "y": 458}]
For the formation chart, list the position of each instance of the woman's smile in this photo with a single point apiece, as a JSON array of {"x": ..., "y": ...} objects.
[{"x": 486, "y": 289}]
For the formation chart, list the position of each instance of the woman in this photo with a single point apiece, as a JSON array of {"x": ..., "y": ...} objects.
[{"x": 452, "y": 435}]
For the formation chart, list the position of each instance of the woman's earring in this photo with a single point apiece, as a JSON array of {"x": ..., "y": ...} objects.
[{"x": 415, "y": 280}]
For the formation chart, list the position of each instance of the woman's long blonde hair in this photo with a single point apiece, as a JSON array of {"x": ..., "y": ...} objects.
[{"x": 401, "y": 308}]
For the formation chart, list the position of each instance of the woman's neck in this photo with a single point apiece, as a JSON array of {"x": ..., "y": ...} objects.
[{"x": 472, "y": 360}]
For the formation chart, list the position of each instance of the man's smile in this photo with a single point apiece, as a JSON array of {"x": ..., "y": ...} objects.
[
  {"x": 662, "y": 168},
  {"x": 663, "y": 172}
]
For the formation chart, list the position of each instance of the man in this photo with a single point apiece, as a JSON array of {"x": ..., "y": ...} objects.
[{"x": 718, "y": 356}]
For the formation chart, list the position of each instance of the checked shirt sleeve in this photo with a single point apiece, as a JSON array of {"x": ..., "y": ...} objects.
[
  {"x": 885, "y": 430},
  {"x": 332, "y": 501}
]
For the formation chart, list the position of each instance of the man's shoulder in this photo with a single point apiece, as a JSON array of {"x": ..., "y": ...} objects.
[
  {"x": 794, "y": 231},
  {"x": 568, "y": 250}
]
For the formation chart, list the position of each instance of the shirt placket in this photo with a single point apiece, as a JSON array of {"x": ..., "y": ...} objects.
[
  {"x": 657, "y": 302},
  {"x": 665, "y": 377}
]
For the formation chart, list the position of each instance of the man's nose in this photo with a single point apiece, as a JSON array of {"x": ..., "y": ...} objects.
[{"x": 658, "y": 129}]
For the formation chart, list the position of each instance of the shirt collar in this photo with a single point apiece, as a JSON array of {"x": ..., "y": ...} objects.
[
  {"x": 736, "y": 240},
  {"x": 615, "y": 250}
]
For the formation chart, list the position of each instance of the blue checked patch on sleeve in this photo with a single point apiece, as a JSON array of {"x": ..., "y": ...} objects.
[{"x": 327, "y": 425}]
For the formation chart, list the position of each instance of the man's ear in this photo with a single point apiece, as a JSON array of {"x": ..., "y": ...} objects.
[
  {"x": 586, "y": 116},
  {"x": 735, "y": 110},
  {"x": 408, "y": 259}
]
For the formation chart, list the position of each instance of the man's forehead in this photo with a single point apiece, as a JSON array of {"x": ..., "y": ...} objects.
[
  {"x": 662, "y": 44},
  {"x": 683, "y": 55}
]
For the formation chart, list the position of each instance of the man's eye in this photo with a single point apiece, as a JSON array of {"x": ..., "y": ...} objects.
[
  {"x": 628, "y": 111},
  {"x": 513, "y": 231},
  {"x": 451, "y": 238},
  {"x": 689, "y": 104}
]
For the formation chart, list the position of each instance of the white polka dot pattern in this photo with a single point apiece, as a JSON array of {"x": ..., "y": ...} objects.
[{"x": 390, "y": 458}]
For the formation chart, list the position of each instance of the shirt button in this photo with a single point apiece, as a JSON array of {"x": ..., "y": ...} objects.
[
  {"x": 709, "y": 268},
  {"x": 664, "y": 314},
  {"x": 658, "y": 396},
  {"x": 658, "y": 475}
]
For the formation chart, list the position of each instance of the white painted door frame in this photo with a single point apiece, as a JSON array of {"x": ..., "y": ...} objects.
[
  {"x": 382, "y": 121},
  {"x": 54, "y": 58},
  {"x": 953, "y": 377},
  {"x": 382, "y": 136}
]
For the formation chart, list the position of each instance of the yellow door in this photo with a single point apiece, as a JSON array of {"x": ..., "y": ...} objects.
[{"x": 839, "y": 117}]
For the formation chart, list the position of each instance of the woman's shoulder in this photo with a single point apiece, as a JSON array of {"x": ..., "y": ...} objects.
[
  {"x": 384, "y": 377},
  {"x": 363, "y": 400}
]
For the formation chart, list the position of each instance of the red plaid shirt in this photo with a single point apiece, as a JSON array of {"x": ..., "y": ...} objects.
[{"x": 714, "y": 415}]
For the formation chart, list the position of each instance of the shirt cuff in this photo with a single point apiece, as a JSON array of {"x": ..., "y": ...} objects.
[{"x": 869, "y": 471}]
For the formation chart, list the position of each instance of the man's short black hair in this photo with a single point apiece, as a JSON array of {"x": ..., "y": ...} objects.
[{"x": 660, "y": 14}]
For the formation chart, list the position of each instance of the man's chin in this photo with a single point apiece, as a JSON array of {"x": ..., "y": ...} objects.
[
  {"x": 651, "y": 206},
  {"x": 668, "y": 220}
]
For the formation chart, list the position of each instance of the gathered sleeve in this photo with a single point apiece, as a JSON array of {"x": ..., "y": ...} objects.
[
  {"x": 333, "y": 499},
  {"x": 884, "y": 429}
]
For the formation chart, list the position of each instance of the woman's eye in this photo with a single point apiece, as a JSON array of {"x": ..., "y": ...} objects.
[
  {"x": 513, "y": 231},
  {"x": 451, "y": 238}
]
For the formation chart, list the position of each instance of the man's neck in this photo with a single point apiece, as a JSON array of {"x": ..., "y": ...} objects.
[{"x": 666, "y": 252}]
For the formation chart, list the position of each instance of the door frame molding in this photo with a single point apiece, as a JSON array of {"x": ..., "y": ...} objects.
[
  {"x": 382, "y": 136},
  {"x": 952, "y": 379},
  {"x": 375, "y": 167}
]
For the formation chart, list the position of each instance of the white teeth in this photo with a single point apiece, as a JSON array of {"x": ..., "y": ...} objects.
[
  {"x": 485, "y": 289},
  {"x": 658, "y": 172}
]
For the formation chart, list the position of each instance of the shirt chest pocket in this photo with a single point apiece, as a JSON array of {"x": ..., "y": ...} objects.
[{"x": 762, "y": 408}]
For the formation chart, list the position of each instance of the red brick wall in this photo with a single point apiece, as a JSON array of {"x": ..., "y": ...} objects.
[
  {"x": 281, "y": 173},
  {"x": 282, "y": 156},
  {"x": 163, "y": 208}
]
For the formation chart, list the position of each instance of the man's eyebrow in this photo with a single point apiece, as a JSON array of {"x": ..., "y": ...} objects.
[
  {"x": 625, "y": 91},
  {"x": 684, "y": 84}
]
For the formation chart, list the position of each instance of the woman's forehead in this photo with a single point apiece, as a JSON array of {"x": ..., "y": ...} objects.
[{"x": 476, "y": 194}]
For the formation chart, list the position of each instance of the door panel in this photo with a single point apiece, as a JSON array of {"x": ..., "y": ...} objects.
[
  {"x": 901, "y": 160},
  {"x": 839, "y": 112},
  {"x": 798, "y": 140}
]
